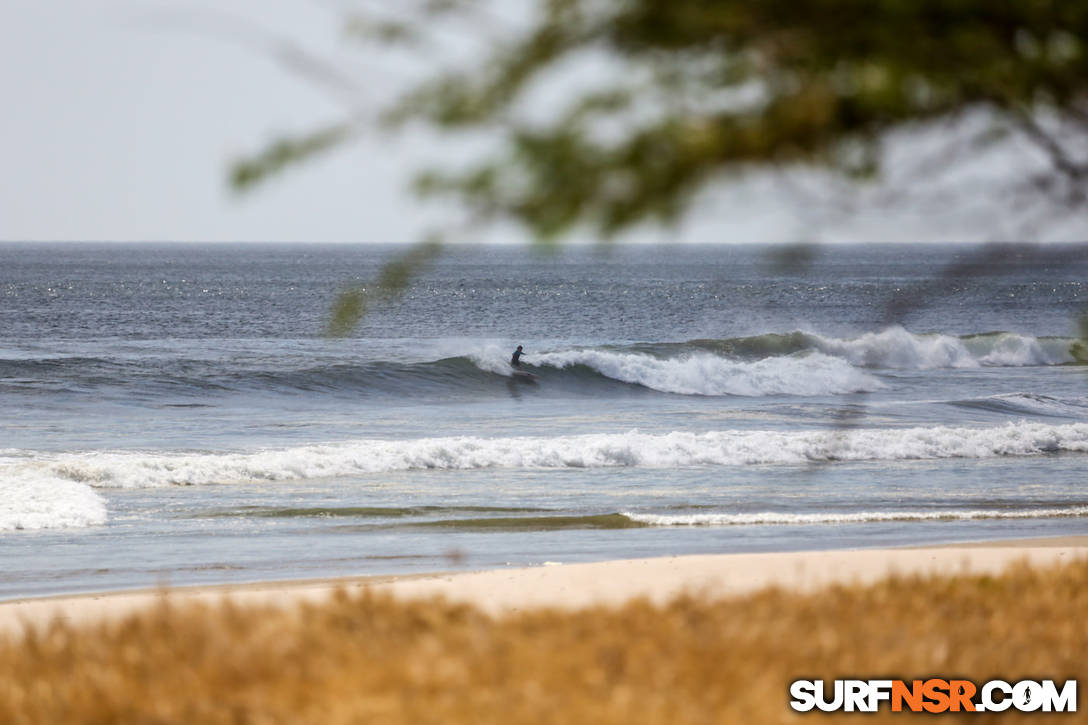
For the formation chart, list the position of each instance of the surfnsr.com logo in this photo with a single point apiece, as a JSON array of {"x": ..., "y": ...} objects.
[{"x": 933, "y": 695}]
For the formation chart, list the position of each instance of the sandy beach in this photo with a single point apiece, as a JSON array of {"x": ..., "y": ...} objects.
[{"x": 570, "y": 586}]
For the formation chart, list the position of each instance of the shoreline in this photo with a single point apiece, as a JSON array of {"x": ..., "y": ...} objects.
[{"x": 577, "y": 585}]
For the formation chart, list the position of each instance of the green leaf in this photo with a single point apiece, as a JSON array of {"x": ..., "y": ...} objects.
[{"x": 247, "y": 173}]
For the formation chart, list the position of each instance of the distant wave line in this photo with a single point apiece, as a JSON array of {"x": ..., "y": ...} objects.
[{"x": 786, "y": 518}]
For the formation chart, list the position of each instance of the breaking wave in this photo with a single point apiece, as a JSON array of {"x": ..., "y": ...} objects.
[
  {"x": 706, "y": 374},
  {"x": 795, "y": 363},
  {"x": 896, "y": 348},
  {"x": 133, "y": 469},
  {"x": 43, "y": 490}
]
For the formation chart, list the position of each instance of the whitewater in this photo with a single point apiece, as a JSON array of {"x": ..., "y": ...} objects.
[
  {"x": 47, "y": 491},
  {"x": 139, "y": 469}
]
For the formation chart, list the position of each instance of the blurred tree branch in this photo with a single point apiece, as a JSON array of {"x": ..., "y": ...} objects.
[
  {"x": 825, "y": 80},
  {"x": 352, "y": 303},
  {"x": 705, "y": 89}
]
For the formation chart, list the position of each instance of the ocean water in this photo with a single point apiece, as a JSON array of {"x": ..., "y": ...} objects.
[{"x": 174, "y": 414}]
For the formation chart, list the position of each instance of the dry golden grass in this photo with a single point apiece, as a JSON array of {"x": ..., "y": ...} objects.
[{"x": 369, "y": 659}]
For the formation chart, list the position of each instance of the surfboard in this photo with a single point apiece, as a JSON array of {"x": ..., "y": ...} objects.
[{"x": 524, "y": 377}]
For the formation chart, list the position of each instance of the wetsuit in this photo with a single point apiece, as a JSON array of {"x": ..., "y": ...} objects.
[{"x": 515, "y": 359}]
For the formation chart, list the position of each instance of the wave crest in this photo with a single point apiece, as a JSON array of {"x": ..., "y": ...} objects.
[
  {"x": 897, "y": 348},
  {"x": 602, "y": 450},
  {"x": 57, "y": 490},
  {"x": 707, "y": 374}
]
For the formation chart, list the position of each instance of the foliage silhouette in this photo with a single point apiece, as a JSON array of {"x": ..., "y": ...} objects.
[{"x": 710, "y": 89}]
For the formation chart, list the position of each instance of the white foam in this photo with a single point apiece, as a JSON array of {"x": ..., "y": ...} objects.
[
  {"x": 895, "y": 347},
  {"x": 831, "y": 369},
  {"x": 493, "y": 358},
  {"x": 707, "y": 374},
  {"x": 1010, "y": 350},
  {"x": 32, "y": 497},
  {"x": 773, "y": 517},
  {"x": 134, "y": 469}
]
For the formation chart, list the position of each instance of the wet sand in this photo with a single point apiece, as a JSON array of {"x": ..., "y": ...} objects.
[{"x": 580, "y": 585}]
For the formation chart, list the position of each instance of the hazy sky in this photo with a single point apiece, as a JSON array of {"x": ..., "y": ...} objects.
[{"x": 120, "y": 119}]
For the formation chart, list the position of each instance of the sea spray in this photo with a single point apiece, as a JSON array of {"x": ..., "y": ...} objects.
[
  {"x": 706, "y": 374},
  {"x": 895, "y": 347}
]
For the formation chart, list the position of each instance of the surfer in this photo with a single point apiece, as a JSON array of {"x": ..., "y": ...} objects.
[{"x": 515, "y": 359}]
